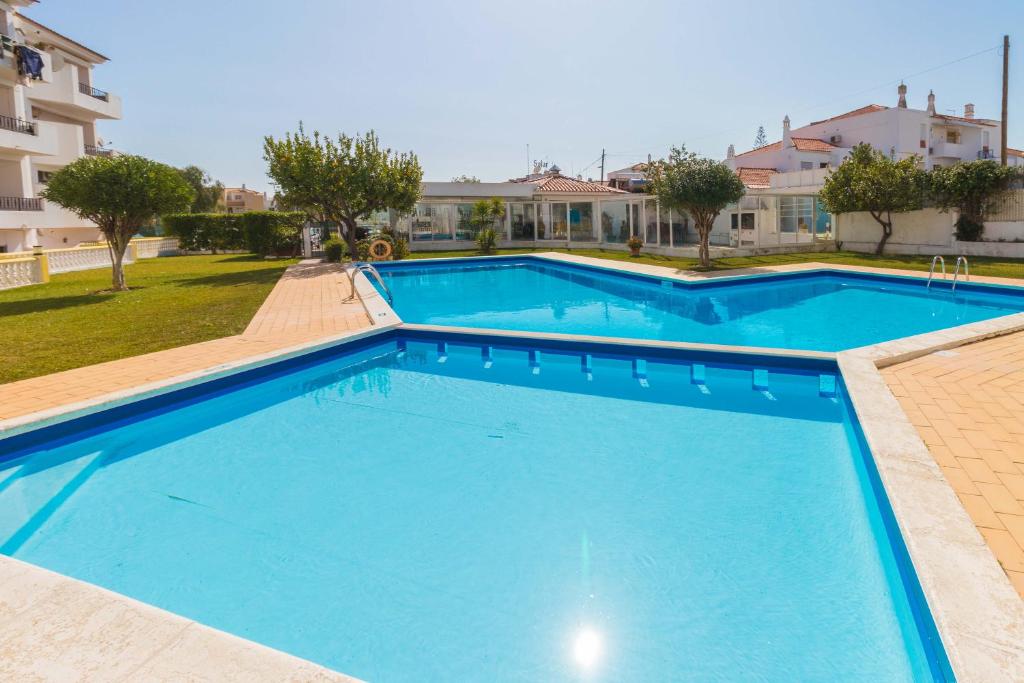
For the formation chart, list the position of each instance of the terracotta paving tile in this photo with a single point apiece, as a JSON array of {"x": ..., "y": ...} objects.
[
  {"x": 1000, "y": 499},
  {"x": 968, "y": 408},
  {"x": 980, "y": 511}
]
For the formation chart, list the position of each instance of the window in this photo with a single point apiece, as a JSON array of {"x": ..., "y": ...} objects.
[
  {"x": 742, "y": 221},
  {"x": 924, "y": 136},
  {"x": 430, "y": 222},
  {"x": 806, "y": 165},
  {"x": 952, "y": 137},
  {"x": 796, "y": 214},
  {"x": 651, "y": 219},
  {"x": 559, "y": 221},
  {"x": 464, "y": 228},
  {"x": 679, "y": 223},
  {"x": 44, "y": 176},
  {"x": 581, "y": 221},
  {"x": 544, "y": 221},
  {"x": 615, "y": 222},
  {"x": 823, "y": 164},
  {"x": 523, "y": 223}
]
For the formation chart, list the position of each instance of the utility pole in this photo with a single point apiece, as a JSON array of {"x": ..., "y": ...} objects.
[
  {"x": 602, "y": 164},
  {"x": 1006, "y": 87}
]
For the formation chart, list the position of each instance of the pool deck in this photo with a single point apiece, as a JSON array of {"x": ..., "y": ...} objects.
[{"x": 922, "y": 402}]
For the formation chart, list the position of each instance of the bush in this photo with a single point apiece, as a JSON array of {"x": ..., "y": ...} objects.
[
  {"x": 635, "y": 243},
  {"x": 968, "y": 229},
  {"x": 261, "y": 232},
  {"x": 273, "y": 232},
  {"x": 206, "y": 231},
  {"x": 487, "y": 240},
  {"x": 399, "y": 246},
  {"x": 334, "y": 249}
]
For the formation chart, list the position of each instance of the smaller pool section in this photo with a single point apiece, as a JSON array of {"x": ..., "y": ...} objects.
[
  {"x": 818, "y": 310},
  {"x": 465, "y": 507}
]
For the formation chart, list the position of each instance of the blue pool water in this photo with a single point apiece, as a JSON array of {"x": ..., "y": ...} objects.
[
  {"x": 416, "y": 511},
  {"x": 821, "y": 311}
]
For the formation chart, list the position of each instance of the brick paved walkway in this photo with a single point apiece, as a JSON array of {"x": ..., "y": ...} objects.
[
  {"x": 968, "y": 406},
  {"x": 308, "y": 303}
]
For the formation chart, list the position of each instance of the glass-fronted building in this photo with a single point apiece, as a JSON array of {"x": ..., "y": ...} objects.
[{"x": 547, "y": 208}]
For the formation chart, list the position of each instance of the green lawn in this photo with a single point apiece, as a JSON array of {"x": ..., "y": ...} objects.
[
  {"x": 995, "y": 267},
  {"x": 70, "y": 322}
]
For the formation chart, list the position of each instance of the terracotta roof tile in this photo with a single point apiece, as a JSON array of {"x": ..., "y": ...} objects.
[
  {"x": 801, "y": 144},
  {"x": 756, "y": 177},
  {"x": 561, "y": 183},
  {"x": 961, "y": 119},
  {"x": 868, "y": 109},
  {"x": 1011, "y": 152}
]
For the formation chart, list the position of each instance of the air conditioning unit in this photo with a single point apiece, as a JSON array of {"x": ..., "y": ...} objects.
[{"x": 836, "y": 139}]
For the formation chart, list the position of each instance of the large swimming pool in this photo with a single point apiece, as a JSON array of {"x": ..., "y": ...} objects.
[
  {"x": 818, "y": 310},
  {"x": 416, "y": 507}
]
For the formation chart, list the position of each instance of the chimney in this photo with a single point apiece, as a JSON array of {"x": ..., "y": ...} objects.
[
  {"x": 968, "y": 111},
  {"x": 731, "y": 152},
  {"x": 931, "y": 103},
  {"x": 902, "y": 90},
  {"x": 787, "y": 139}
]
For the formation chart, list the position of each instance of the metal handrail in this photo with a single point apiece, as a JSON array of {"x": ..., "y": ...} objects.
[
  {"x": 368, "y": 268},
  {"x": 956, "y": 272},
  {"x": 17, "y": 125},
  {"x": 931, "y": 271},
  {"x": 87, "y": 89}
]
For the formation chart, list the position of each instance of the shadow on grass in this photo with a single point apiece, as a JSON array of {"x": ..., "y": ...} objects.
[
  {"x": 245, "y": 277},
  {"x": 52, "y": 304}
]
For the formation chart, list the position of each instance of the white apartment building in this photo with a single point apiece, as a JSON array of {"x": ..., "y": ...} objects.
[
  {"x": 47, "y": 120},
  {"x": 784, "y": 177}
]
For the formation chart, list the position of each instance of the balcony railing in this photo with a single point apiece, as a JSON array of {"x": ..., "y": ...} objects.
[
  {"x": 17, "y": 125},
  {"x": 87, "y": 89},
  {"x": 93, "y": 150},
  {"x": 21, "y": 204}
]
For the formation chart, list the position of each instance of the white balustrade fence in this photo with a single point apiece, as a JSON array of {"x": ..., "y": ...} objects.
[
  {"x": 27, "y": 268},
  {"x": 18, "y": 272}
]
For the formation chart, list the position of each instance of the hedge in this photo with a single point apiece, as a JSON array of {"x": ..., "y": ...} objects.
[{"x": 261, "y": 232}]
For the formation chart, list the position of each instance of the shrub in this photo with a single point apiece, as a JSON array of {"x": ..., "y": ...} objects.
[
  {"x": 635, "y": 243},
  {"x": 334, "y": 249},
  {"x": 968, "y": 229},
  {"x": 206, "y": 231},
  {"x": 400, "y": 247},
  {"x": 273, "y": 232},
  {"x": 487, "y": 240},
  {"x": 261, "y": 232}
]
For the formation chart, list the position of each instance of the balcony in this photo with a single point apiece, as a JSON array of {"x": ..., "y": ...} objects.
[
  {"x": 86, "y": 89},
  {"x": 18, "y": 136},
  {"x": 94, "y": 151},
  {"x": 949, "y": 150},
  {"x": 73, "y": 98},
  {"x": 21, "y": 204}
]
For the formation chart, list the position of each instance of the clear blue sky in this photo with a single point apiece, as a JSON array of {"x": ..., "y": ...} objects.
[{"x": 468, "y": 85}]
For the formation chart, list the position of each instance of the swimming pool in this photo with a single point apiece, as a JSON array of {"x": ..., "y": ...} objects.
[
  {"x": 816, "y": 310},
  {"x": 418, "y": 506}
]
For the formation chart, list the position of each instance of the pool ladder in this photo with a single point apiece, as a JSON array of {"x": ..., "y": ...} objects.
[
  {"x": 931, "y": 271},
  {"x": 960, "y": 260},
  {"x": 367, "y": 268},
  {"x": 956, "y": 271}
]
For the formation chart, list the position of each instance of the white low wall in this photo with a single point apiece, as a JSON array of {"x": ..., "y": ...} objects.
[
  {"x": 18, "y": 272},
  {"x": 925, "y": 229},
  {"x": 27, "y": 268}
]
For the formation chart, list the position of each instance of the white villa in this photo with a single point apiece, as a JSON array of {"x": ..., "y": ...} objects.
[{"x": 48, "y": 113}]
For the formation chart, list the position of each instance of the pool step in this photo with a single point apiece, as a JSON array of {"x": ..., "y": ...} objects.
[{"x": 827, "y": 385}]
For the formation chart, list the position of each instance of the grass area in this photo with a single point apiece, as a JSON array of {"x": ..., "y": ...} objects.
[
  {"x": 993, "y": 267},
  {"x": 71, "y": 322}
]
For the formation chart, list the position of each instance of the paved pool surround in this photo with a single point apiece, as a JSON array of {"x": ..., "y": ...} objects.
[{"x": 976, "y": 611}]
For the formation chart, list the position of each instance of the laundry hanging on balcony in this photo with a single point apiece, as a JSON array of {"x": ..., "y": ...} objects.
[{"x": 30, "y": 62}]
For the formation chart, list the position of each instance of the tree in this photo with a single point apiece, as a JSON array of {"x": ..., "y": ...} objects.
[
  {"x": 970, "y": 187},
  {"x": 118, "y": 194},
  {"x": 208, "y": 191},
  {"x": 486, "y": 215},
  {"x": 700, "y": 187},
  {"x": 342, "y": 180},
  {"x": 465, "y": 179},
  {"x": 868, "y": 180},
  {"x": 761, "y": 140}
]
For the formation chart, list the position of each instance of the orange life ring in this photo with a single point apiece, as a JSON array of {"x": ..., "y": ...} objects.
[{"x": 380, "y": 250}]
